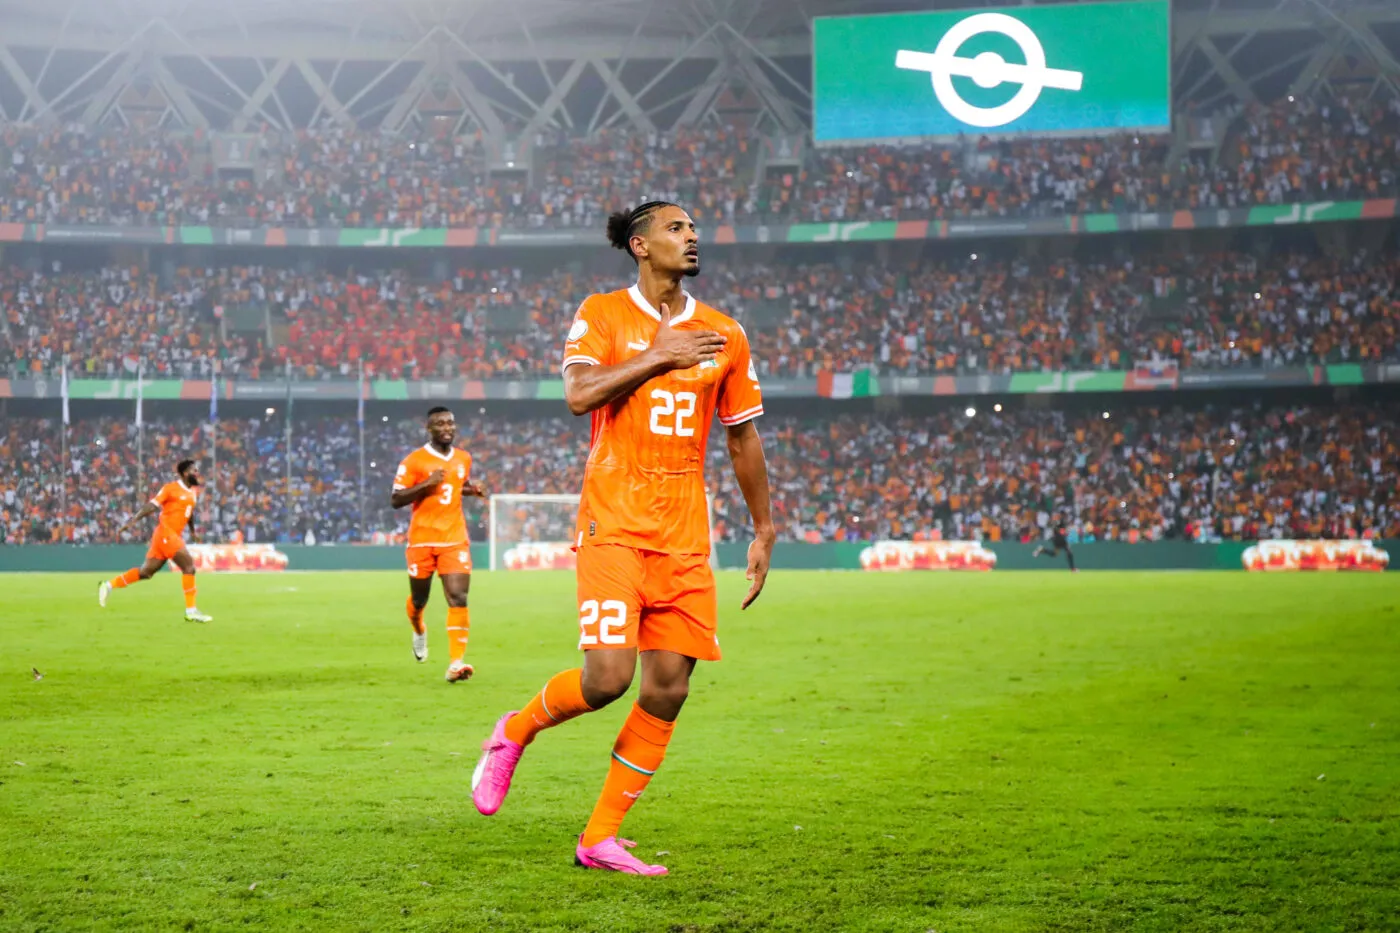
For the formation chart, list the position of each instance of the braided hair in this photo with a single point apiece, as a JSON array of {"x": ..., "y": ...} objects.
[{"x": 623, "y": 225}]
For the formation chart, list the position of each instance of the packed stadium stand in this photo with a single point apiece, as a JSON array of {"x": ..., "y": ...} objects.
[
  {"x": 1225, "y": 309},
  {"x": 1289, "y": 151},
  {"x": 97, "y": 284},
  {"x": 1235, "y": 473}
]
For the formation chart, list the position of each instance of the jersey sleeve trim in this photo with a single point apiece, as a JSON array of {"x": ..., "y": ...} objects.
[
  {"x": 741, "y": 417},
  {"x": 578, "y": 358}
]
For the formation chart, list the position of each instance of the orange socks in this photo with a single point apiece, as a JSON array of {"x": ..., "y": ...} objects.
[
  {"x": 559, "y": 701},
  {"x": 415, "y": 616},
  {"x": 637, "y": 753},
  {"x": 126, "y": 579},
  {"x": 188, "y": 579},
  {"x": 458, "y": 626}
]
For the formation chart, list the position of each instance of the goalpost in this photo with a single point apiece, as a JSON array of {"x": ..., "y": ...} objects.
[
  {"x": 531, "y": 532},
  {"x": 535, "y": 532}
]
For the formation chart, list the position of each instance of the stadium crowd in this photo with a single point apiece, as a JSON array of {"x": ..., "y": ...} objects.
[
  {"x": 1228, "y": 473},
  {"x": 332, "y": 177},
  {"x": 1221, "y": 310}
]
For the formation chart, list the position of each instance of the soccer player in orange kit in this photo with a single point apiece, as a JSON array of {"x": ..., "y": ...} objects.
[
  {"x": 433, "y": 479},
  {"x": 176, "y": 503},
  {"x": 652, "y": 366}
]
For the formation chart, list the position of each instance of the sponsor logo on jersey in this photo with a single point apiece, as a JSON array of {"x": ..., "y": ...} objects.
[
  {"x": 637, "y": 345},
  {"x": 578, "y": 330}
]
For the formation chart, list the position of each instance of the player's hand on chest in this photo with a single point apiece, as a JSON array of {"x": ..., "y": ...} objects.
[{"x": 702, "y": 376}]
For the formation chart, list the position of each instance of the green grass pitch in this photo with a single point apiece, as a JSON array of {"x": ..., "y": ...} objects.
[{"x": 1001, "y": 752}]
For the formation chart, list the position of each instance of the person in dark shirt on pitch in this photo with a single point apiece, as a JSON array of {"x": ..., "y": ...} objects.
[{"x": 1059, "y": 541}]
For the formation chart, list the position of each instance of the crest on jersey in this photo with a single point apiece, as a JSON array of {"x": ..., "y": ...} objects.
[
  {"x": 579, "y": 328},
  {"x": 710, "y": 364},
  {"x": 753, "y": 373},
  {"x": 461, "y": 472}
]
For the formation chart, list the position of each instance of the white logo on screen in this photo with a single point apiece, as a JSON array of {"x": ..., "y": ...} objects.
[{"x": 989, "y": 70}]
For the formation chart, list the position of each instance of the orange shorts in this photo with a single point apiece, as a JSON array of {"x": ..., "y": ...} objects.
[
  {"x": 630, "y": 598},
  {"x": 164, "y": 545},
  {"x": 426, "y": 559}
]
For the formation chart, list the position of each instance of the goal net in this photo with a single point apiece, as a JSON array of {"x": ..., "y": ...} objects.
[
  {"x": 535, "y": 532},
  {"x": 532, "y": 532}
]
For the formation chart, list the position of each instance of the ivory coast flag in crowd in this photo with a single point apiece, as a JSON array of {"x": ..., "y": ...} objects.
[{"x": 860, "y": 384}]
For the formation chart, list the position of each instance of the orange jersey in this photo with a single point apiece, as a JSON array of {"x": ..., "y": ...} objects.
[
  {"x": 644, "y": 485},
  {"x": 437, "y": 517},
  {"x": 176, "y": 502}
]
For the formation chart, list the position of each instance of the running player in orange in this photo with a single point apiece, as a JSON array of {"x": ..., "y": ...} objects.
[
  {"x": 653, "y": 366},
  {"x": 433, "y": 479},
  {"x": 176, "y": 503}
]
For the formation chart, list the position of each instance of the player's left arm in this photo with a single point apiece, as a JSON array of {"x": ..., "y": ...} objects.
[
  {"x": 751, "y": 470},
  {"x": 471, "y": 488},
  {"x": 740, "y": 402}
]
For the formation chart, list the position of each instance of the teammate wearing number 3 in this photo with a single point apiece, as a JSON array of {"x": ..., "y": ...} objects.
[
  {"x": 434, "y": 479},
  {"x": 176, "y": 504},
  {"x": 652, "y": 366}
]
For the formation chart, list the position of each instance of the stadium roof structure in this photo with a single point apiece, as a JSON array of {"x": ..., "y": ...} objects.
[{"x": 511, "y": 68}]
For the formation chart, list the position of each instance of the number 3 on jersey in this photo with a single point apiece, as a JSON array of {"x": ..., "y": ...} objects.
[
  {"x": 445, "y": 497},
  {"x": 679, "y": 404}
]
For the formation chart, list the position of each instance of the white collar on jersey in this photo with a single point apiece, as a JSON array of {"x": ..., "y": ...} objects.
[
  {"x": 434, "y": 451},
  {"x": 640, "y": 301},
  {"x": 181, "y": 484}
]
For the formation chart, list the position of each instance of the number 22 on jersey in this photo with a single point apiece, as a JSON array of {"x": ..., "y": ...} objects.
[{"x": 679, "y": 406}]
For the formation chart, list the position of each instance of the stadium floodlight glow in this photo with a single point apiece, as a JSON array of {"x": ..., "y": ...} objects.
[
  {"x": 1105, "y": 416},
  {"x": 270, "y": 412},
  {"x": 996, "y": 407},
  {"x": 988, "y": 70},
  {"x": 386, "y": 418},
  {"x": 971, "y": 412}
]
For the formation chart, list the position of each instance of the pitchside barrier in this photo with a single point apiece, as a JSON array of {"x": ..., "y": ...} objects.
[{"x": 872, "y": 556}]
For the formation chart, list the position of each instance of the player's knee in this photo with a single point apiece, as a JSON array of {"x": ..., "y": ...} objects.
[
  {"x": 602, "y": 687},
  {"x": 457, "y": 600},
  {"x": 665, "y": 698},
  {"x": 144, "y": 574}
]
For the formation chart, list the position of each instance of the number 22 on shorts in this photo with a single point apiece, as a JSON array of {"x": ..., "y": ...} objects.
[{"x": 602, "y": 623}]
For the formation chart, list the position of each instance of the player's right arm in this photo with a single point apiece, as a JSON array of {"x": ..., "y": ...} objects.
[
  {"x": 403, "y": 494},
  {"x": 150, "y": 508},
  {"x": 589, "y": 383}
]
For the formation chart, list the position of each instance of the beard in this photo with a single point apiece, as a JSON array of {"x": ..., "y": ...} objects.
[
  {"x": 192, "y": 482},
  {"x": 691, "y": 271}
]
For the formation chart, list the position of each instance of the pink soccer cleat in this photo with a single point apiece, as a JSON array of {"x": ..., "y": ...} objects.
[
  {"x": 611, "y": 855},
  {"x": 491, "y": 779}
]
